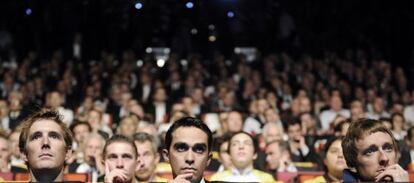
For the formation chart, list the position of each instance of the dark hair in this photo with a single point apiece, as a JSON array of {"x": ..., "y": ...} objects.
[
  {"x": 293, "y": 123},
  {"x": 188, "y": 122},
  {"x": 44, "y": 114},
  {"x": 120, "y": 138},
  {"x": 78, "y": 123},
  {"x": 340, "y": 125},
  {"x": 409, "y": 133},
  {"x": 250, "y": 136}
]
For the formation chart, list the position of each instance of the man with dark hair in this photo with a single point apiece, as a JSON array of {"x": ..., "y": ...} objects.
[
  {"x": 121, "y": 159},
  {"x": 300, "y": 151},
  {"x": 45, "y": 144},
  {"x": 148, "y": 157},
  {"x": 188, "y": 145},
  {"x": 372, "y": 151}
]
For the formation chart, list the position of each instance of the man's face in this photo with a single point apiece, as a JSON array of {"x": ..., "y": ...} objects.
[
  {"x": 375, "y": 152},
  {"x": 224, "y": 156},
  {"x": 235, "y": 122},
  {"x": 128, "y": 127},
  {"x": 120, "y": 155},
  {"x": 4, "y": 152},
  {"x": 80, "y": 132},
  {"x": 14, "y": 143},
  {"x": 273, "y": 134},
  {"x": 242, "y": 151},
  {"x": 148, "y": 160},
  {"x": 93, "y": 148},
  {"x": 189, "y": 153},
  {"x": 45, "y": 146},
  {"x": 273, "y": 155},
  {"x": 294, "y": 132}
]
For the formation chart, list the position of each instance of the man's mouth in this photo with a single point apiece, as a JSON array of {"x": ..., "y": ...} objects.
[
  {"x": 189, "y": 170},
  {"x": 45, "y": 155}
]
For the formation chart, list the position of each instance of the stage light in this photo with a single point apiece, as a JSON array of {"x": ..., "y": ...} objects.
[
  {"x": 140, "y": 63},
  {"x": 160, "y": 62},
  {"x": 28, "y": 11},
  {"x": 211, "y": 27},
  {"x": 189, "y": 5},
  {"x": 230, "y": 14},
  {"x": 194, "y": 31},
  {"x": 212, "y": 38},
  {"x": 138, "y": 5},
  {"x": 148, "y": 50}
]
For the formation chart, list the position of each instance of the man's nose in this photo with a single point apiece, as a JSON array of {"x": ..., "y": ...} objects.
[
  {"x": 120, "y": 163},
  {"x": 189, "y": 157},
  {"x": 45, "y": 140},
  {"x": 383, "y": 158}
]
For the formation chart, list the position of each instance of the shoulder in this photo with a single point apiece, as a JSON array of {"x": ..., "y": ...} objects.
[
  {"x": 220, "y": 175},
  {"x": 264, "y": 176},
  {"x": 316, "y": 179}
]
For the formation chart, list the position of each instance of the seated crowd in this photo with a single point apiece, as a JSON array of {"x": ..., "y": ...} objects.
[{"x": 267, "y": 117}]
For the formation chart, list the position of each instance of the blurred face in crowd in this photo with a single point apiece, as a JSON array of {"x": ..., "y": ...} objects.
[
  {"x": 148, "y": 160},
  {"x": 294, "y": 132},
  {"x": 93, "y": 149},
  {"x": 45, "y": 146},
  {"x": 5, "y": 152},
  {"x": 128, "y": 126},
  {"x": 189, "y": 154},
  {"x": 336, "y": 103},
  {"x": 334, "y": 159},
  {"x": 4, "y": 109},
  {"x": 80, "y": 132},
  {"x": 242, "y": 151},
  {"x": 224, "y": 156},
  {"x": 262, "y": 105},
  {"x": 14, "y": 143},
  {"x": 357, "y": 110},
  {"x": 305, "y": 105},
  {"x": 160, "y": 95},
  {"x": 272, "y": 133},
  {"x": 376, "y": 152},
  {"x": 271, "y": 115},
  {"x": 54, "y": 99},
  {"x": 234, "y": 122},
  {"x": 273, "y": 155},
  {"x": 94, "y": 119},
  {"x": 397, "y": 122},
  {"x": 378, "y": 105}
]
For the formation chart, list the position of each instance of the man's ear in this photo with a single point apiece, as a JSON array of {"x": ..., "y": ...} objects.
[
  {"x": 23, "y": 155},
  {"x": 157, "y": 157},
  {"x": 69, "y": 152},
  {"x": 255, "y": 156},
  {"x": 165, "y": 155},
  {"x": 210, "y": 157}
]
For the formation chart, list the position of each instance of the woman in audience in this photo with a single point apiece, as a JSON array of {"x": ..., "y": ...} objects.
[{"x": 334, "y": 162}]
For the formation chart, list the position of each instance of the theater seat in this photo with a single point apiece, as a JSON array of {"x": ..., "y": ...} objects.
[
  {"x": 82, "y": 177},
  {"x": 6, "y": 176}
]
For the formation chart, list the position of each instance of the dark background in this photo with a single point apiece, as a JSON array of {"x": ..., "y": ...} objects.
[{"x": 383, "y": 27}]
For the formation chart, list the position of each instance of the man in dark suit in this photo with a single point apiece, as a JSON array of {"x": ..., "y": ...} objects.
[
  {"x": 188, "y": 145},
  {"x": 407, "y": 150}
]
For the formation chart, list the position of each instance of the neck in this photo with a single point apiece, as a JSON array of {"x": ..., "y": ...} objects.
[
  {"x": 243, "y": 170},
  {"x": 46, "y": 175}
]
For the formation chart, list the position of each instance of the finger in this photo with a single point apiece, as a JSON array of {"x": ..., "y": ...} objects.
[
  {"x": 106, "y": 167},
  {"x": 184, "y": 176}
]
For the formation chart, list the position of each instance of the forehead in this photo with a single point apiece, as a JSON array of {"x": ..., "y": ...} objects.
[
  {"x": 3, "y": 142},
  {"x": 45, "y": 125},
  {"x": 189, "y": 135},
  {"x": 119, "y": 148},
  {"x": 241, "y": 137},
  {"x": 376, "y": 138},
  {"x": 143, "y": 145},
  {"x": 81, "y": 127}
]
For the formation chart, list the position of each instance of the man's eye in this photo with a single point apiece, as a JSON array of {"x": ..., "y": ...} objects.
[
  {"x": 199, "y": 149},
  {"x": 55, "y": 136},
  {"x": 181, "y": 147},
  {"x": 370, "y": 151},
  {"x": 388, "y": 147},
  {"x": 36, "y": 136}
]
